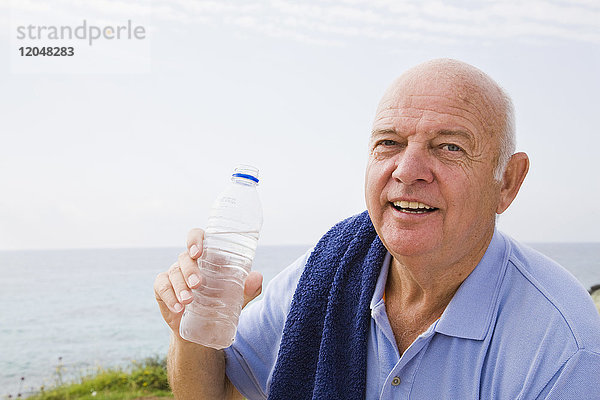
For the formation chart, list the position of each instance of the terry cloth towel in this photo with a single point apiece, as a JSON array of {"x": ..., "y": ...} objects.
[{"x": 323, "y": 352}]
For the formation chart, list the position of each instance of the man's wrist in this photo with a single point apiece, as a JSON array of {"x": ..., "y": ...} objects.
[{"x": 180, "y": 343}]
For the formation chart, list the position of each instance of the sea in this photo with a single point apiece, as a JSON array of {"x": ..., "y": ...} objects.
[{"x": 67, "y": 313}]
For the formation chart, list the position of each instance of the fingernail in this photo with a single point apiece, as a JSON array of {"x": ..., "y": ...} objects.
[
  {"x": 193, "y": 280},
  {"x": 178, "y": 307},
  {"x": 194, "y": 251},
  {"x": 185, "y": 295}
]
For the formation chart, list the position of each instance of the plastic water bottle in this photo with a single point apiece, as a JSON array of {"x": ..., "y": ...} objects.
[{"x": 229, "y": 245}]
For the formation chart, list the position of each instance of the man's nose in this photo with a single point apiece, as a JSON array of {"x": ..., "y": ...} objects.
[{"x": 413, "y": 164}]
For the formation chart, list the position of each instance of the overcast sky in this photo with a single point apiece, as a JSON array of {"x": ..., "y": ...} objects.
[{"x": 135, "y": 158}]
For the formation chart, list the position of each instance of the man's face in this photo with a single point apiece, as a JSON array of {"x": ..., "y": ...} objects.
[{"x": 429, "y": 183}]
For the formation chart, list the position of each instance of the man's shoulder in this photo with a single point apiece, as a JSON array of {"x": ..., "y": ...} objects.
[{"x": 546, "y": 296}]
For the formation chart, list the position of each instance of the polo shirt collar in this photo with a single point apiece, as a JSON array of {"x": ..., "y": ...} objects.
[
  {"x": 377, "y": 298},
  {"x": 471, "y": 310}
]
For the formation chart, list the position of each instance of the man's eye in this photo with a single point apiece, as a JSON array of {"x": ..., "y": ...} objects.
[
  {"x": 388, "y": 142},
  {"x": 451, "y": 147}
]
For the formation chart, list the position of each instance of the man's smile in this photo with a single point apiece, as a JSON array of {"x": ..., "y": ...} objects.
[{"x": 413, "y": 207}]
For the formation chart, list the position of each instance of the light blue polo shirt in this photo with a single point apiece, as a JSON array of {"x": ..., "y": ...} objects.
[{"x": 519, "y": 327}]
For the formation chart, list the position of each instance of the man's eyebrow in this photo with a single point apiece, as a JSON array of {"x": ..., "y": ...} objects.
[
  {"x": 379, "y": 132},
  {"x": 451, "y": 132}
]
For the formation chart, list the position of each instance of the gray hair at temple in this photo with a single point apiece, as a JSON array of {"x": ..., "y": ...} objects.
[{"x": 507, "y": 136}]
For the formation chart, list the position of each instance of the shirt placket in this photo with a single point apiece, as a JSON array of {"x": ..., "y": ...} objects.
[{"x": 400, "y": 380}]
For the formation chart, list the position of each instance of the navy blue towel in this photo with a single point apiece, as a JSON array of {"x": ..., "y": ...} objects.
[{"x": 323, "y": 352}]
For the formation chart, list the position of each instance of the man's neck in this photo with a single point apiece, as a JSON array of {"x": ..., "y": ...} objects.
[
  {"x": 432, "y": 281},
  {"x": 418, "y": 291}
]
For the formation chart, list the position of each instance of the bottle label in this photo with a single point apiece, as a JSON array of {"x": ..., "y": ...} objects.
[{"x": 226, "y": 202}]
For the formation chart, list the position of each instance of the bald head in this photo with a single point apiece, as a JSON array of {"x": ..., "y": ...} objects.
[{"x": 465, "y": 83}]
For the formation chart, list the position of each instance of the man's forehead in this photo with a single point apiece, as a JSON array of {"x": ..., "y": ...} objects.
[
  {"x": 426, "y": 97},
  {"x": 419, "y": 90},
  {"x": 406, "y": 102},
  {"x": 433, "y": 112}
]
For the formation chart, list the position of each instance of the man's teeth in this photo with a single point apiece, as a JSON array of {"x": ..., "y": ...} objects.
[{"x": 415, "y": 205}]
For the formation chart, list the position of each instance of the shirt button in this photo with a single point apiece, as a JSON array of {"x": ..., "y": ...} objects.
[{"x": 396, "y": 381}]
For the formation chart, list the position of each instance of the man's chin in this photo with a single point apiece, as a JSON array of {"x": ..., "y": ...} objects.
[{"x": 409, "y": 243}]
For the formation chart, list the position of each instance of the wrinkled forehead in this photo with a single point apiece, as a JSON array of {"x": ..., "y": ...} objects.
[{"x": 460, "y": 89}]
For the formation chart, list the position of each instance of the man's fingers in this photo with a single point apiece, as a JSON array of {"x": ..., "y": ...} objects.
[
  {"x": 180, "y": 287},
  {"x": 194, "y": 243},
  {"x": 189, "y": 270},
  {"x": 164, "y": 292},
  {"x": 253, "y": 286}
]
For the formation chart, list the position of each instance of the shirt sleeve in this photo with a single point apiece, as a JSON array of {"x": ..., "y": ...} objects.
[
  {"x": 250, "y": 360},
  {"x": 579, "y": 378}
]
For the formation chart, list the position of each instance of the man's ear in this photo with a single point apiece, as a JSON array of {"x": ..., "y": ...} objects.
[{"x": 514, "y": 175}]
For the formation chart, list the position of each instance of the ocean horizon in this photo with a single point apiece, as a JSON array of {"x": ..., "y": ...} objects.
[{"x": 68, "y": 312}]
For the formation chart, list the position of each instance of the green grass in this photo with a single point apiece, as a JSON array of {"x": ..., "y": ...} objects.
[{"x": 145, "y": 379}]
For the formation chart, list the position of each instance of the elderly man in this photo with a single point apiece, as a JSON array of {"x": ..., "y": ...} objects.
[{"x": 421, "y": 297}]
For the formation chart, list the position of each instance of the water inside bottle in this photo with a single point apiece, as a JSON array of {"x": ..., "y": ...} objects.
[{"x": 211, "y": 319}]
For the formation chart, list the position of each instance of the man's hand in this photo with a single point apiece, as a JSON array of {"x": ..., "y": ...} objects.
[
  {"x": 172, "y": 288},
  {"x": 195, "y": 371}
]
